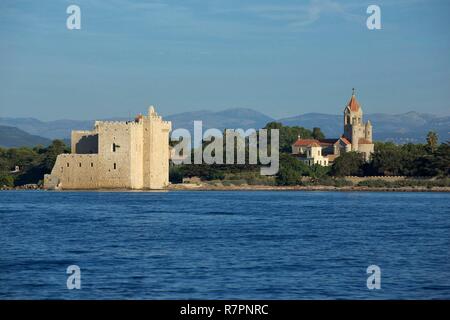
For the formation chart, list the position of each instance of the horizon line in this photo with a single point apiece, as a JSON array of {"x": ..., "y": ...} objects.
[{"x": 221, "y": 110}]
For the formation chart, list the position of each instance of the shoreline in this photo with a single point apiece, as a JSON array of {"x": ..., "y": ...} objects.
[
  {"x": 304, "y": 188},
  {"x": 202, "y": 187}
]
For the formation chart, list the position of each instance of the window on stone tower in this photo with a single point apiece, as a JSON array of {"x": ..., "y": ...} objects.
[
  {"x": 114, "y": 147},
  {"x": 115, "y": 166}
]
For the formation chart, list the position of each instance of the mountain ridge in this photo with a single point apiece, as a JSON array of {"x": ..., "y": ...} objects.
[{"x": 405, "y": 127}]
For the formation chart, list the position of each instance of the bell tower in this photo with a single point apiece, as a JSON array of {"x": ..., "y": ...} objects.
[{"x": 354, "y": 127}]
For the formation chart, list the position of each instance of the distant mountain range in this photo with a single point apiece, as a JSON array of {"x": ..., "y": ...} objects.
[
  {"x": 400, "y": 128},
  {"x": 13, "y": 137}
]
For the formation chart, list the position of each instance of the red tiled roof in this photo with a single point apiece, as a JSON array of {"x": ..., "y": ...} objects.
[
  {"x": 327, "y": 142},
  {"x": 364, "y": 141},
  {"x": 353, "y": 104},
  {"x": 321, "y": 142},
  {"x": 344, "y": 139},
  {"x": 305, "y": 142}
]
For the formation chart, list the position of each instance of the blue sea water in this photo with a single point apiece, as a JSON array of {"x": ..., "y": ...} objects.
[{"x": 224, "y": 245}]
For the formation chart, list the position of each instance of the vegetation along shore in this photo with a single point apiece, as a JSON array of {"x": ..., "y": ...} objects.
[{"x": 392, "y": 167}]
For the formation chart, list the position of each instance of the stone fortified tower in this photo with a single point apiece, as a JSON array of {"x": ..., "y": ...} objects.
[{"x": 116, "y": 154}]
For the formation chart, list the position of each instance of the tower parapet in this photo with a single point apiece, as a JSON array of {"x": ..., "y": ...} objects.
[{"x": 116, "y": 154}]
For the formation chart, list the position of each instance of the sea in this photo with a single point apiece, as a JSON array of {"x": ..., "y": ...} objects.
[{"x": 224, "y": 245}]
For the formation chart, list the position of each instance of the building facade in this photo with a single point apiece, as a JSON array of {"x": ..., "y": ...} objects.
[
  {"x": 357, "y": 137},
  {"x": 116, "y": 155}
]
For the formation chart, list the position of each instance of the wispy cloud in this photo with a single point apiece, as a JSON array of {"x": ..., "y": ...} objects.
[{"x": 296, "y": 16}]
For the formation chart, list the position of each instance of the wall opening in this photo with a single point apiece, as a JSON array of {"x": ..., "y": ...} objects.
[{"x": 114, "y": 147}]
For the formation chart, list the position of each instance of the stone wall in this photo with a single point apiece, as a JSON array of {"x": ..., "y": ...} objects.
[
  {"x": 84, "y": 142},
  {"x": 75, "y": 171},
  {"x": 131, "y": 155},
  {"x": 356, "y": 180}
]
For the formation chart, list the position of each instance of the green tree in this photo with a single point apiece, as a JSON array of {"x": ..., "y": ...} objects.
[
  {"x": 291, "y": 170},
  {"x": 288, "y": 135},
  {"x": 388, "y": 159},
  {"x": 317, "y": 133},
  {"x": 318, "y": 172},
  {"x": 175, "y": 174},
  {"x": 432, "y": 141},
  {"x": 441, "y": 160},
  {"x": 348, "y": 164},
  {"x": 6, "y": 179},
  {"x": 50, "y": 153}
]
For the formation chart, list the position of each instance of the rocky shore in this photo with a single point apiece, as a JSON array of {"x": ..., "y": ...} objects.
[
  {"x": 24, "y": 187},
  {"x": 209, "y": 187}
]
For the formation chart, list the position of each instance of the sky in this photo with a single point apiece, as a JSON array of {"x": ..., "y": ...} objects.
[{"x": 279, "y": 57}]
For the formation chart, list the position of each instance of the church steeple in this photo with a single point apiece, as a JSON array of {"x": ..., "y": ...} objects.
[{"x": 353, "y": 104}]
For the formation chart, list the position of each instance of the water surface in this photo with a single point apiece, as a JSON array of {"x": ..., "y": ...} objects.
[{"x": 224, "y": 245}]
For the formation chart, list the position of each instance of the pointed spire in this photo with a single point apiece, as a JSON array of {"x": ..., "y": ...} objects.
[{"x": 353, "y": 103}]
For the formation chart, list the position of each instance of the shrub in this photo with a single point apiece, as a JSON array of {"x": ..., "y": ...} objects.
[{"x": 6, "y": 179}]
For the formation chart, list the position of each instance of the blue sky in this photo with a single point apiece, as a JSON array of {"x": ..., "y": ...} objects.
[{"x": 280, "y": 57}]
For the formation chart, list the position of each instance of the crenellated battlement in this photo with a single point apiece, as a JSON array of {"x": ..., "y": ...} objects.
[
  {"x": 86, "y": 132},
  {"x": 116, "y": 154},
  {"x": 105, "y": 125}
]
